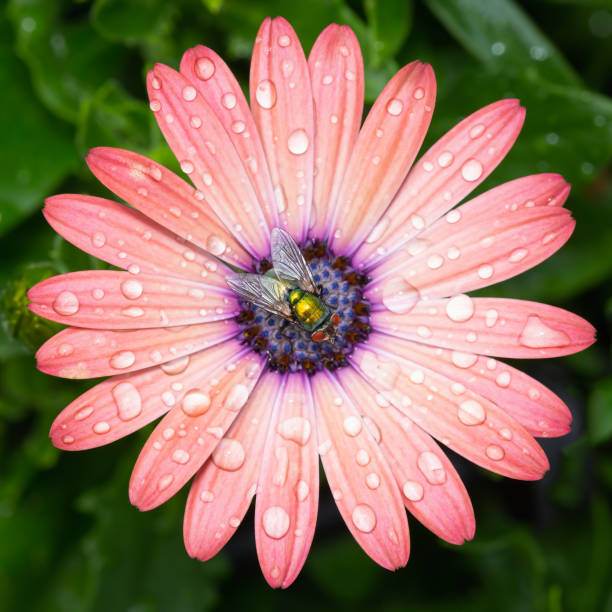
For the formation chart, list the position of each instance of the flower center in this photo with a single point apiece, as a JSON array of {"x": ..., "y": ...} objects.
[{"x": 290, "y": 347}]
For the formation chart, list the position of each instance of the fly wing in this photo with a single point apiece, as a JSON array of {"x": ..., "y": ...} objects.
[
  {"x": 263, "y": 291},
  {"x": 289, "y": 263}
]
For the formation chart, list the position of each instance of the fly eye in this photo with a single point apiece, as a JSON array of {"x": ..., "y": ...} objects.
[
  {"x": 319, "y": 336},
  {"x": 335, "y": 319}
]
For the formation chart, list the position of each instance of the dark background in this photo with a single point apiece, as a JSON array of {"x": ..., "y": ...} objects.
[{"x": 72, "y": 77}]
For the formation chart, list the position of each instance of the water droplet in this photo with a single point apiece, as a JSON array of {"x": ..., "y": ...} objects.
[
  {"x": 265, "y": 94},
  {"x": 477, "y": 131},
  {"x": 133, "y": 312},
  {"x": 180, "y": 456},
  {"x": 395, "y": 107},
  {"x": 68, "y": 439},
  {"x": 418, "y": 93},
  {"x": 460, "y": 308},
  {"x": 155, "y": 106},
  {"x": 238, "y": 127},
  {"x": 83, "y": 413},
  {"x": 207, "y": 496},
  {"x": 98, "y": 239},
  {"x": 352, "y": 425},
  {"x": 453, "y": 216},
  {"x": 98, "y": 294},
  {"x": 413, "y": 490},
  {"x": 189, "y": 93},
  {"x": 536, "y": 334},
  {"x": 383, "y": 372},
  {"x": 372, "y": 480},
  {"x": 494, "y": 452},
  {"x": 66, "y": 304},
  {"x": 284, "y": 40},
  {"x": 471, "y": 170},
  {"x": 228, "y": 100},
  {"x": 428, "y": 166},
  {"x": 176, "y": 366},
  {"x": 517, "y": 255},
  {"x": 131, "y": 289},
  {"x": 187, "y": 166},
  {"x": 378, "y": 231},
  {"x": 101, "y": 427},
  {"x": 503, "y": 379},
  {"x": 195, "y": 122},
  {"x": 364, "y": 518},
  {"x": 165, "y": 481},
  {"x": 435, "y": 261},
  {"x": 491, "y": 317},
  {"x": 302, "y": 490},
  {"x": 445, "y": 159},
  {"x": 298, "y": 142},
  {"x": 505, "y": 433},
  {"x": 237, "y": 397},
  {"x": 463, "y": 360},
  {"x": 327, "y": 79},
  {"x": 399, "y": 296},
  {"x": 228, "y": 455},
  {"x": 296, "y": 429},
  {"x": 485, "y": 271},
  {"x": 471, "y": 412},
  {"x": 431, "y": 467},
  {"x": 362, "y": 457},
  {"x": 215, "y": 245},
  {"x": 155, "y": 83},
  {"x": 128, "y": 400},
  {"x": 195, "y": 403},
  {"x": 275, "y": 521},
  {"x": 417, "y": 222},
  {"x": 204, "y": 68},
  {"x": 122, "y": 360}
]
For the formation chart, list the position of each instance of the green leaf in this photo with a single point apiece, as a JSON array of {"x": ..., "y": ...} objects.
[
  {"x": 503, "y": 37},
  {"x": 600, "y": 412},
  {"x": 389, "y": 23}
]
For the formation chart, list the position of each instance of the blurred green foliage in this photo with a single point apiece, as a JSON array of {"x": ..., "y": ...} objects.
[{"x": 72, "y": 76}]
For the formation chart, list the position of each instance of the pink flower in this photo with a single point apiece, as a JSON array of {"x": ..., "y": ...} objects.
[{"x": 249, "y": 401}]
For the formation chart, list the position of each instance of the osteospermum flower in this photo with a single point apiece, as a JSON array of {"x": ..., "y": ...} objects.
[{"x": 250, "y": 400}]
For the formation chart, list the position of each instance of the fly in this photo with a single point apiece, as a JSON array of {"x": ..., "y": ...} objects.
[{"x": 288, "y": 290}]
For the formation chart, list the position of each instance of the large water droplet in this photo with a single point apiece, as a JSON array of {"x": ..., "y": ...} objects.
[
  {"x": 98, "y": 239},
  {"x": 83, "y": 413},
  {"x": 204, "y": 68},
  {"x": 495, "y": 452},
  {"x": 131, "y": 289},
  {"x": 195, "y": 403},
  {"x": 275, "y": 521},
  {"x": 364, "y": 518},
  {"x": 398, "y": 295},
  {"x": 536, "y": 334},
  {"x": 471, "y": 412},
  {"x": 128, "y": 400},
  {"x": 189, "y": 93},
  {"x": 296, "y": 429},
  {"x": 352, "y": 425},
  {"x": 463, "y": 360},
  {"x": 228, "y": 100},
  {"x": 460, "y": 308},
  {"x": 180, "y": 456},
  {"x": 215, "y": 245},
  {"x": 431, "y": 467},
  {"x": 265, "y": 94},
  {"x": 176, "y": 366},
  {"x": 237, "y": 397},
  {"x": 66, "y": 304},
  {"x": 471, "y": 170},
  {"x": 302, "y": 490},
  {"x": 413, "y": 490},
  {"x": 372, "y": 480},
  {"x": 445, "y": 159},
  {"x": 395, "y": 107},
  {"x": 122, "y": 360},
  {"x": 298, "y": 142},
  {"x": 165, "y": 481},
  {"x": 228, "y": 455},
  {"x": 101, "y": 427}
]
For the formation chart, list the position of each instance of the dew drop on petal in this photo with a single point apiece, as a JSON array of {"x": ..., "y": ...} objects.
[
  {"x": 98, "y": 239},
  {"x": 164, "y": 482},
  {"x": 362, "y": 457},
  {"x": 207, "y": 496},
  {"x": 275, "y": 521},
  {"x": 463, "y": 360},
  {"x": 265, "y": 94},
  {"x": 373, "y": 480},
  {"x": 101, "y": 427},
  {"x": 180, "y": 456},
  {"x": 460, "y": 308},
  {"x": 68, "y": 439},
  {"x": 128, "y": 400},
  {"x": 215, "y": 245},
  {"x": 131, "y": 289},
  {"x": 189, "y": 93},
  {"x": 471, "y": 170},
  {"x": 445, "y": 159},
  {"x": 494, "y": 452},
  {"x": 284, "y": 40},
  {"x": 122, "y": 360},
  {"x": 237, "y": 397},
  {"x": 398, "y": 295},
  {"x": 364, "y": 518},
  {"x": 195, "y": 122},
  {"x": 176, "y": 366},
  {"x": 302, "y": 490},
  {"x": 186, "y": 166},
  {"x": 518, "y": 255},
  {"x": 228, "y": 100},
  {"x": 485, "y": 271},
  {"x": 491, "y": 317},
  {"x": 413, "y": 490},
  {"x": 379, "y": 229},
  {"x": 453, "y": 216},
  {"x": 471, "y": 412},
  {"x": 83, "y": 413},
  {"x": 477, "y": 130},
  {"x": 352, "y": 425},
  {"x": 503, "y": 379},
  {"x": 418, "y": 93},
  {"x": 195, "y": 403},
  {"x": 431, "y": 467},
  {"x": 228, "y": 455},
  {"x": 395, "y": 107},
  {"x": 536, "y": 334},
  {"x": 66, "y": 304},
  {"x": 297, "y": 429},
  {"x": 298, "y": 142},
  {"x": 204, "y": 68}
]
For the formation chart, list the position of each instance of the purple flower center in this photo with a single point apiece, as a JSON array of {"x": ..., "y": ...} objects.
[{"x": 288, "y": 346}]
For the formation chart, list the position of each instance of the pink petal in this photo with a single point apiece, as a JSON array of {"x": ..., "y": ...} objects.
[
  {"x": 122, "y": 404},
  {"x": 288, "y": 489},
  {"x": 336, "y": 72},
  {"x": 208, "y": 156},
  {"x": 446, "y": 173},
  {"x": 167, "y": 199},
  {"x": 86, "y": 353},
  {"x": 210, "y": 75},
  {"x": 467, "y": 423},
  {"x": 359, "y": 477},
  {"x": 490, "y": 326},
  {"x": 222, "y": 490},
  {"x": 436, "y": 498},
  {"x": 281, "y": 101},
  {"x": 188, "y": 434},
  {"x": 534, "y": 406},
  {"x": 387, "y": 145},
  {"x": 105, "y": 299},
  {"x": 469, "y": 253},
  {"x": 127, "y": 239}
]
